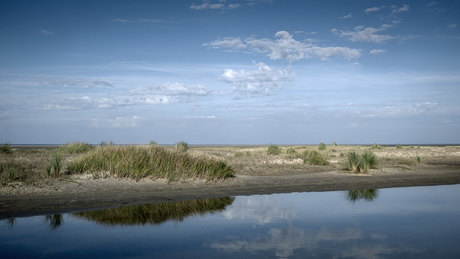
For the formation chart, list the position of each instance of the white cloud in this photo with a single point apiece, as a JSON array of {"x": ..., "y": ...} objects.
[
  {"x": 396, "y": 9},
  {"x": 372, "y": 9},
  {"x": 75, "y": 82},
  {"x": 363, "y": 34},
  {"x": 377, "y": 51},
  {"x": 117, "y": 122},
  {"x": 452, "y": 26},
  {"x": 284, "y": 48},
  {"x": 139, "y": 21},
  {"x": 46, "y": 32},
  {"x": 219, "y": 6},
  {"x": 202, "y": 117},
  {"x": 348, "y": 16},
  {"x": 257, "y": 82},
  {"x": 227, "y": 42}
]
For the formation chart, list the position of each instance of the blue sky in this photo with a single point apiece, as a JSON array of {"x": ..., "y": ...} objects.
[{"x": 230, "y": 72}]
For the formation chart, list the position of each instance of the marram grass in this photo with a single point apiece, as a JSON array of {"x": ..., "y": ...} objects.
[
  {"x": 149, "y": 161},
  {"x": 361, "y": 163}
]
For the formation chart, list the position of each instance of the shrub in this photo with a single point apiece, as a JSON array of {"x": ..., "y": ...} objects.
[
  {"x": 399, "y": 146},
  {"x": 6, "y": 148},
  {"x": 361, "y": 163},
  {"x": 334, "y": 144},
  {"x": 181, "y": 146},
  {"x": 273, "y": 150},
  {"x": 322, "y": 146},
  {"x": 153, "y": 143}
]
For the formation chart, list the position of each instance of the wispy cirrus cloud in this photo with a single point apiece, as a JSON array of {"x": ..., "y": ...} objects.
[
  {"x": 285, "y": 47},
  {"x": 372, "y": 9},
  {"x": 377, "y": 51},
  {"x": 217, "y": 6},
  {"x": 401, "y": 9},
  {"x": 45, "y": 32},
  {"x": 258, "y": 82},
  {"x": 74, "y": 82},
  {"x": 348, "y": 16},
  {"x": 139, "y": 21},
  {"x": 365, "y": 34}
]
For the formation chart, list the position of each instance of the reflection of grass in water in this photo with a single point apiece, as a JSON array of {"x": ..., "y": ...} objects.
[
  {"x": 54, "y": 221},
  {"x": 155, "y": 213},
  {"x": 367, "y": 195}
]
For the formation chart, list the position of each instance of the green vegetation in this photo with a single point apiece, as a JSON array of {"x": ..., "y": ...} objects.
[
  {"x": 6, "y": 148},
  {"x": 334, "y": 144},
  {"x": 376, "y": 146},
  {"x": 149, "y": 161},
  {"x": 367, "y": 195},
  {"x": 314, "y": 158},
  {"x": 56, "y": 165},
  {"x": 273, "y": 150},
  {"x": 419, "y": 160},
  {"x": 153, "y": 143},
  {"x": 399, "y": 146},
  {"x": 181, "y": 146},
  {"x": 156, "y": 213},
  {"x": 322, "y": 146},
  {"x": 361, "y": 163},
  {"x": 75, "y": 148}
]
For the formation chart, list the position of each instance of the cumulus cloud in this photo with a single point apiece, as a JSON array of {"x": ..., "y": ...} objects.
[
  {"x": 363, "y": 34},
  {"x": 257, "y": 82},
  {"x": 45, "y": 32},
  {"x": 285, "y": 47},
  {"x": 75, "y": 82},
  {"x": 377, "y": 51},
  {"x": 372, "y": 9},
  {"x": 396, "y": 9}
]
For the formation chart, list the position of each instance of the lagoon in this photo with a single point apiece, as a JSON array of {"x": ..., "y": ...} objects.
[{"x": 413, "y": 222}]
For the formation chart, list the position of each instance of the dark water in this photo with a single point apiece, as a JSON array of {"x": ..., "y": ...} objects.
[{"x": 416, "y": 222}]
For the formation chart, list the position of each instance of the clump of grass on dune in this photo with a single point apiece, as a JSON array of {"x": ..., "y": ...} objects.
[
  {"x": 149, "y": 161},
  {"x": 273, "y": 150},
  {"x": 361, "y": 163},
  {"x": 314, "y": 158}
]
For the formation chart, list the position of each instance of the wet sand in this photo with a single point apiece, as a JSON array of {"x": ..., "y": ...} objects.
[{"x": 84, "y": 193}]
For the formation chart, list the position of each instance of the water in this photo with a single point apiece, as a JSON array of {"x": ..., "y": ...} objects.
[{"x": 416, "y": 222}]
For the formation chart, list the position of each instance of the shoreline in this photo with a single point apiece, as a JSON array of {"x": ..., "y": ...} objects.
[{"x": 87, "y": 194}]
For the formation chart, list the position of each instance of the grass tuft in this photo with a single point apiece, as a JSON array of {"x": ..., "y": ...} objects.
[
  {"x": 314, "y": 158},
  {"x": 361, "y": 163},
  {"x": 6, "y": 148}
]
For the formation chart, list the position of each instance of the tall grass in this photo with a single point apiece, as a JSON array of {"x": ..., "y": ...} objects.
[
  {"x": 361, "y": 163},
  {"x": 75, "y": 148},
  {"x": 6, "y": 148},
  {"x": 149, "y": 161}
]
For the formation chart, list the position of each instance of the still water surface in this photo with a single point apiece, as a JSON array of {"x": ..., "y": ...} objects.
[{"x": 415, "y": 222}]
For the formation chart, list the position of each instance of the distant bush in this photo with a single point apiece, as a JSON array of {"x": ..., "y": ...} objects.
[
  {"x": 181, "y": 146},
  {"x": 361, "y": 163},
  {"x": 273, "y": 150},
  {"x": 322, "y": 146},
  {"x": 153, "y": 143},
  {"x": 399, "y": 146},
  {"x": 334, "y": 144},
  {"x": 376, "y": 146},
  {"x": 6, "y": 148}
]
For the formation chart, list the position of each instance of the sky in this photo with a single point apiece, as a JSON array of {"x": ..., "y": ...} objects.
[{"x": 230, "y": 72}]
